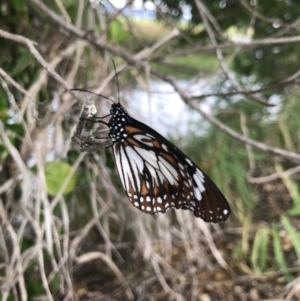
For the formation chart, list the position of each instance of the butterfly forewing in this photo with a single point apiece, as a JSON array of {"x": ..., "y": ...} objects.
[
  {"x": 157, "y": 176},
  {"x": 153, "y": 180}
]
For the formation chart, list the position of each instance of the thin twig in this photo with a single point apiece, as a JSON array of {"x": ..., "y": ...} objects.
[
  {"x": 15, "y": 84},
  {"x": 274, "y": 176}
]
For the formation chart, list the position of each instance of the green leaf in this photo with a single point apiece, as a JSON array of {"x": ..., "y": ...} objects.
[
  {"x": 264, "y": 249},
  {"x": 117, "y": 32},
  {"x": 54, "y": 284},
  {"x": 259, "y": 250},
  {"x": 23, "y": 61},
  {"x": 278, "y": 252},
  {"x": 55, "y": 173},
  {"x": 295, "y": 211},
  {"x": 3, "y": 104},
  {"x": 17, "y": 5},
  {"x": 34, "y": 288},
  {"x": 295, "y": 238},
  {"x": 290, "y": 184},
  {"x": 69, "y": 3},
  {"x": 17, "y": 128}
]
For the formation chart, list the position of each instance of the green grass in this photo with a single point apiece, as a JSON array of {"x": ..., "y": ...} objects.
[
  {"x": 186, "y": 67},
  {"x": 202, "y": 61}
]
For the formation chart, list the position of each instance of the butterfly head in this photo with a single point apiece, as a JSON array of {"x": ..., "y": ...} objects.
[{"x": 117, "y": 122}]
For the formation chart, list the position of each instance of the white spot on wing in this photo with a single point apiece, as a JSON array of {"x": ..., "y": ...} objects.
[
  {"x": 197, "y": 194},
  {"x": 200, "y": 174},
  {"x": 164, "y": 147},
  {"x": 189, "y": 161}
]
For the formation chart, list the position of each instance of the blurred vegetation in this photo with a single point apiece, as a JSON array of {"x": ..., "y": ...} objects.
[
  {"x": 261, "y": 239},
  {"x": 266, "y": 63}
]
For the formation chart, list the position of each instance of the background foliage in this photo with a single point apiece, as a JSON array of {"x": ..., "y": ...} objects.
[{"x": 68, "y": 231}]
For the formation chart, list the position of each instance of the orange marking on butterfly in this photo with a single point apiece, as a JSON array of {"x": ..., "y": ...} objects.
[
  {"x": 170, "y": 159},
  {"x": 130, "y": 190},
  {"x": 132, "y": 142},
  {"x": 144, "y": 190},
  {"x": 132, "y": 130},
  {"x": 166, "y": 186},
  {"x": 155, "y": 143},
  {"x": 155, "y": 191}
]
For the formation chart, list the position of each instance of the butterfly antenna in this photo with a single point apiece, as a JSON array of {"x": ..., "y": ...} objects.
[
  {"x": 117, "y": 79},
  {"x": 83, "y": 90}
]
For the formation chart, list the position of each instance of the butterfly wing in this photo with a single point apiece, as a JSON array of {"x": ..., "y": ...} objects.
[{"x": 157, "y": 176}]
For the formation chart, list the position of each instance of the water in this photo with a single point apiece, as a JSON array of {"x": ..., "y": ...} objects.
[{"x": 164, "y": 110}]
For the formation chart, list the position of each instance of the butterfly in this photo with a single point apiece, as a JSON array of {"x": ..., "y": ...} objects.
[{"x": 156, "y": 175}]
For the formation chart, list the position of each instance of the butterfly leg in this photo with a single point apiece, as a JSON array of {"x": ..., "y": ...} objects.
[{"x": 85, "y": 141}]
